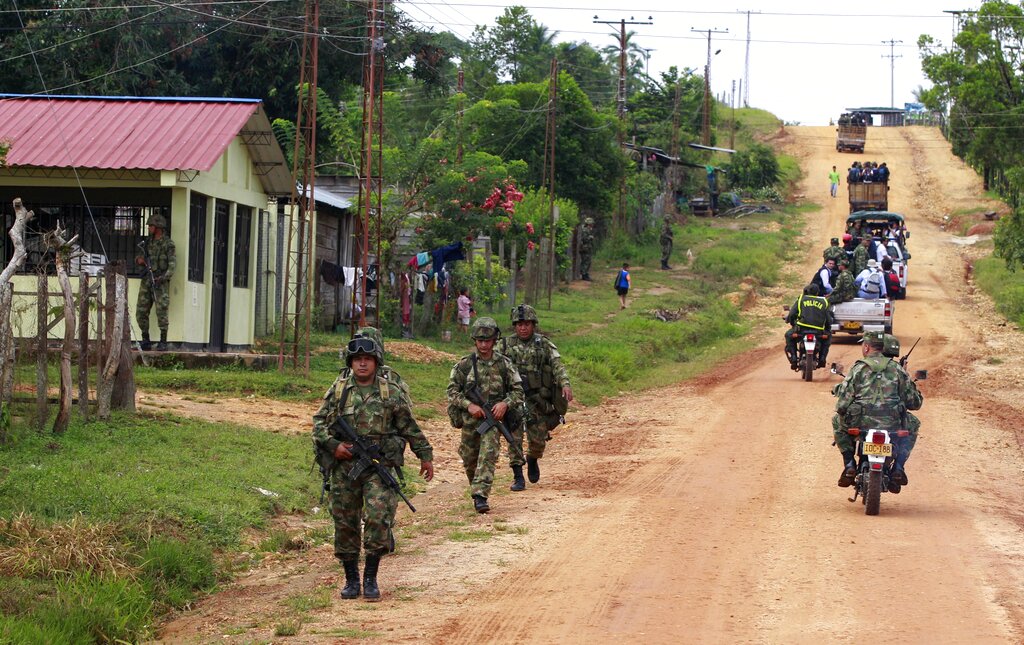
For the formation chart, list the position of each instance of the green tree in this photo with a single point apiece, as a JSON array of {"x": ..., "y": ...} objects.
[{"x": 754, "y": 168}]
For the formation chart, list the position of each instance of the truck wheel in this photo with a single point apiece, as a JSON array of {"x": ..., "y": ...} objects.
[{"x": 887, "y": 329}]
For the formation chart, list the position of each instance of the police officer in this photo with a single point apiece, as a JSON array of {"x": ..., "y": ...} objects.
[
  {"x": 586, "y": 247},
  {"x": 162, "y": 263},
  {"x": 810, "y": 313},
  {"x": 496, "y": 380},
  {"x": 377, "y": 411},
  {"x": 546, "y": 384}
]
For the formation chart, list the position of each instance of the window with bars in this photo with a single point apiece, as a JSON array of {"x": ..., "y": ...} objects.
[
  {"x": 197, "y": 237},
  {"x": 243, "y": 230},
  {"x": 105, "y": 233}
]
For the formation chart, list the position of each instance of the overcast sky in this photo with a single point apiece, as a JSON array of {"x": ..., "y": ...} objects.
[{"x": 808, "y": 60}]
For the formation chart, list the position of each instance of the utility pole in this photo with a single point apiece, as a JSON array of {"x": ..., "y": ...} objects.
[
  {"x": 621, "y": 100},
  {"x": 549, "y": 170},
  {"x": 732, "y": 127},
  {"x": 647, "y": 61},
  {"x": 296, "y": 301},
  {"x": 706, "y": 117},
  {"x": 745, "y": 86},
  {"x": 892, "y": 56},
  {"x": 371, "y": 162},
  {"x": 458, "y": 126}
]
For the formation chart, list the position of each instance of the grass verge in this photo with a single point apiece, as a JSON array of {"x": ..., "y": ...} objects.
[{"x": 1006, "y": 288}]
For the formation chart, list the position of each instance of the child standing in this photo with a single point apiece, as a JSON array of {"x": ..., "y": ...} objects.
[
  {"x": 465, "y": 309},
  {"x": 622, "y": 284}
]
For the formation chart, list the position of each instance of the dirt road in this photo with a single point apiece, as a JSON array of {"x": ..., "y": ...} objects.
[{"x": 708, "y": 512}]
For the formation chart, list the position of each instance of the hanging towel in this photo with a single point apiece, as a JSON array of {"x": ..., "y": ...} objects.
[
  {"x": 332, "y": 273},
  {"x": 350, "y": 275},
  {"x": 405, "y": 291}
]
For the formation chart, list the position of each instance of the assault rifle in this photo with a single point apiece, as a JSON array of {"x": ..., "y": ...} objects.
[
  {"x": 366, "y": 455},
  {"x": 903, "y": 359},
  {"x": 489, "y": 421},
  {"x": 148, "y": 265}
]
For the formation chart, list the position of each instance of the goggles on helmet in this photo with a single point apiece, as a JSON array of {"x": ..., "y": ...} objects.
[{"x": 362, "y": 346}]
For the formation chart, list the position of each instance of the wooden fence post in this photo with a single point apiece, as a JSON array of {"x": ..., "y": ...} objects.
[
  {"x": 42, "y": 383},
  {"x": 107, "y": 377},
  {"x": 83, "y": 344},
  {"x": 123, "y": 396}
]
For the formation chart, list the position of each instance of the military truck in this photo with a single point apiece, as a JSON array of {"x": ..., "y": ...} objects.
[
  {"x": 851, "y": 133},
  {"x": 869, "y": 196}
]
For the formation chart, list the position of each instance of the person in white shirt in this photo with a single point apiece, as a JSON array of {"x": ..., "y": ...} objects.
[{"x": 870, "y": 282}]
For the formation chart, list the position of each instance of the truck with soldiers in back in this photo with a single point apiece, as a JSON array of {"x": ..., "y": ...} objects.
[{"x": 852, "y": 132}]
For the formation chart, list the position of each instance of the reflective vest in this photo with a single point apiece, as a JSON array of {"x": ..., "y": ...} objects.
[{"x": 816, "y": 309}]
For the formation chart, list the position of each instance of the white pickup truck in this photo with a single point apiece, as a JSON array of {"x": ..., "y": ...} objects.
[{"x": 862, "y": 315}]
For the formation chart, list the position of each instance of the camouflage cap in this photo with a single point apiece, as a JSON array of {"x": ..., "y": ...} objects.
[
  {"x": 485, "y": 328},
  {"x": 524, "y": 313},
  {"x": 875, "y": 339},
  {"x": 158, "y": 221}
]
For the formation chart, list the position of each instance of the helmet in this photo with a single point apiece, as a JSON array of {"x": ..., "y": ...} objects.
[
  {"x": 524, "y": 312},
  {"x": 875, "y": 339},
  {"x": 485, "y": 328},
  {"x": 589, "y": 221},
  {"x": 362, "y": 345},
  {"x": 364, "y": 332},
  {"x": 158, "y": 220},
  {"x": 847, "y": 237},
  {"x": 891, "y": 346},
  {"x": 844, "y": 261}
]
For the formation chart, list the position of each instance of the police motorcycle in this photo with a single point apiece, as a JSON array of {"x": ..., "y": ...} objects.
[
  {"x": 808, "y": 351},
  {"x": 875, "y": 452}
]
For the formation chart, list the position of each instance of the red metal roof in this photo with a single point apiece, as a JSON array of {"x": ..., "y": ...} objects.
[{"x": 131, "y": 133}]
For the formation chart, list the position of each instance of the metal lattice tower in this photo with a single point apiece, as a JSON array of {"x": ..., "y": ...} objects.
[
  {"x": 296, "y": 301},
  {"x": 371, "y": 178}
]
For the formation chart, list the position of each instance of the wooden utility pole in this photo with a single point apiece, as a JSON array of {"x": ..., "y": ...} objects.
[
  {"x": 460, "y": 88},
  {"x": 549, "y": 170},
  {"x": 705, "y": 137},
  {"x": 620, "y": 215},
  {"x": 296, "y": 309}
]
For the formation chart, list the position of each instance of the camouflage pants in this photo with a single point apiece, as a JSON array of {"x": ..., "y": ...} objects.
[
  {"x": 162, "y": 298},
  {"x": 536, "y": 441},
  {"x": 845, "y": 442},
  {"x": 364, "y": 506},
  {"x": 479, "y": 457},
  {"x": 666, "y": 251},
  {"x": 585, "y": 262}
]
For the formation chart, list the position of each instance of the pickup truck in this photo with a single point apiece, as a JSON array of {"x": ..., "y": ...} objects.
[
  {"x": 899, "y": 257},
  {"x": 862, "y": 315}
]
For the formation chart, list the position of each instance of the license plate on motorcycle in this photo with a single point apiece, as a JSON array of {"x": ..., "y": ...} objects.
[
  {"x": 882, "y": 449},
  {"x": 851, "y": 325}
]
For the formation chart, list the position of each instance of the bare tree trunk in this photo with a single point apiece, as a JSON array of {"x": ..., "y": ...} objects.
[
  {"x": 17, "y": 233},
  {"x": 83, "y": 345},
  {"x": 42, "y": 382},
  {"x": 105, "y": 386},
  {"x": 60, "y": 424},
  {"x": 123, "y": 396}
]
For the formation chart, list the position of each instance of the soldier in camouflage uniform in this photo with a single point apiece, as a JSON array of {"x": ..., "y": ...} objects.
[
  {"x": 386, "y": 372},
  {"x": 845, "y": 290},
  {"x": 861, "y": 255},
  {"x": 877, "y": 393},
  {"x": 834, "y": 252},
  {"x": 540, "y": 366},
  {"x": 586, "y": 247},
  {"x": 162, "y": 262},
  {"x": 666, "y": 242},
  {"x": 501, "y": 389},
  {"x": 377, "y": 411}
]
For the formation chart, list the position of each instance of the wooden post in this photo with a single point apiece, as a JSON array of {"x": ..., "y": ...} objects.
[
  {"x": 62, "y": 248},
  {"x": 528, "y": 279},
  {"x": 487, "y": 268},
  {"x": 83, "y": 344},
  {"x": 107, "y": 377},
  {"x": 42, "y": 384},
  {"x": 123, "y": 397},
  {"x": 513, "y": 269},
  {"x": 501, "y": 262}
]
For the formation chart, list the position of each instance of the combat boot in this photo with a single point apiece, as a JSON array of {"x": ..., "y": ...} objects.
[
  {"x": 532, "y": 469},
  {"x": 370, "y": 590},
  {"x": 351, "y": 588},
  {"x": 849, "y": 471},
  {"x": 162, "y": 345},
  {"x": 518, "y": 483},
  {"x": 480, "y": 504},
  {"x": 145, "y": 344},
  {"x": 586, "y": 276}
]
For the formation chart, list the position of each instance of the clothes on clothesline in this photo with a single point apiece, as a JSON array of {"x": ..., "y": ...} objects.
[{"x": 332, "y": 273}]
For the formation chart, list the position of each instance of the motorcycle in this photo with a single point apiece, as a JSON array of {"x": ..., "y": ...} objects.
[{"x": 808, "y": 351}]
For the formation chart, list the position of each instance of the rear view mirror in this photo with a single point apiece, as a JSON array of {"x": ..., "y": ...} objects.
[
  {"x": 837, "y": 368},
  {"x": 920, "y": 375}
]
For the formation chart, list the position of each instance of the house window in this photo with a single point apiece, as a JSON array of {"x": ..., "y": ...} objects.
[
  {"x": 105, "y": 233},
  {"x": 243, "y": 228},
  {"x": 197, "y": 238}
]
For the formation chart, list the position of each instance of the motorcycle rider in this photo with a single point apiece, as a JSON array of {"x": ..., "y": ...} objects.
[
  {"x": 876, "y": 393},
  {"x": 904, "y": 445},
  {"x": 810, "y": 313}
]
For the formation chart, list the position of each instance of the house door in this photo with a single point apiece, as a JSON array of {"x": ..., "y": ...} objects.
[{"x": 220, "y": 276}]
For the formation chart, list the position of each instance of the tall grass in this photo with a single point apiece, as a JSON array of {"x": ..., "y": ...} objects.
[{"x": 1005, "y": 287}]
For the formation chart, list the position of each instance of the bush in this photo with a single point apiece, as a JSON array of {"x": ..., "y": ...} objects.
[{"x": 756, "y": 167}]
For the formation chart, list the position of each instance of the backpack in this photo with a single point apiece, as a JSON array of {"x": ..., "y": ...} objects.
[
  {"x": 892, "y": 284},
  {"x": 873, "y": 283}
]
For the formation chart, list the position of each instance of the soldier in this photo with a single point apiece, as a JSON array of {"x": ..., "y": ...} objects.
[
  {"x": 386, "y": 372},
  {"x": 861, "y": 255},
  {"x": 845, "y": 289},
  {"x": 586, "y": 247},
  {"x": 160, "y": 249},
  {"x": 834, "y": 252},
  {"x": 501, "y": 389},
  {"x": 376, "y": 410},
  {"x": 666, "y": 242},
  {"x": 540, "y": 366},
  {"x": 875, "y": 394}
]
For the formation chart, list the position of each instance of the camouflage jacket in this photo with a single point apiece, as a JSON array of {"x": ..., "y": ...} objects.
[
  {"x": 860, "y": 259},
  {"x": 540, "y": 367},
  {"x": 845, "y": 290},
  {"x": 876, "y": 394},
  {"x": 499, "y": 381},
  {"x": 161, "y": 258},
  {"x": 666, "y": 234},
  {"x": 586, "y": 239},
  {"x": 379, "y": 413},
  {"x": 388, "y": 374},
  {"x": 836, "y": 253}
]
